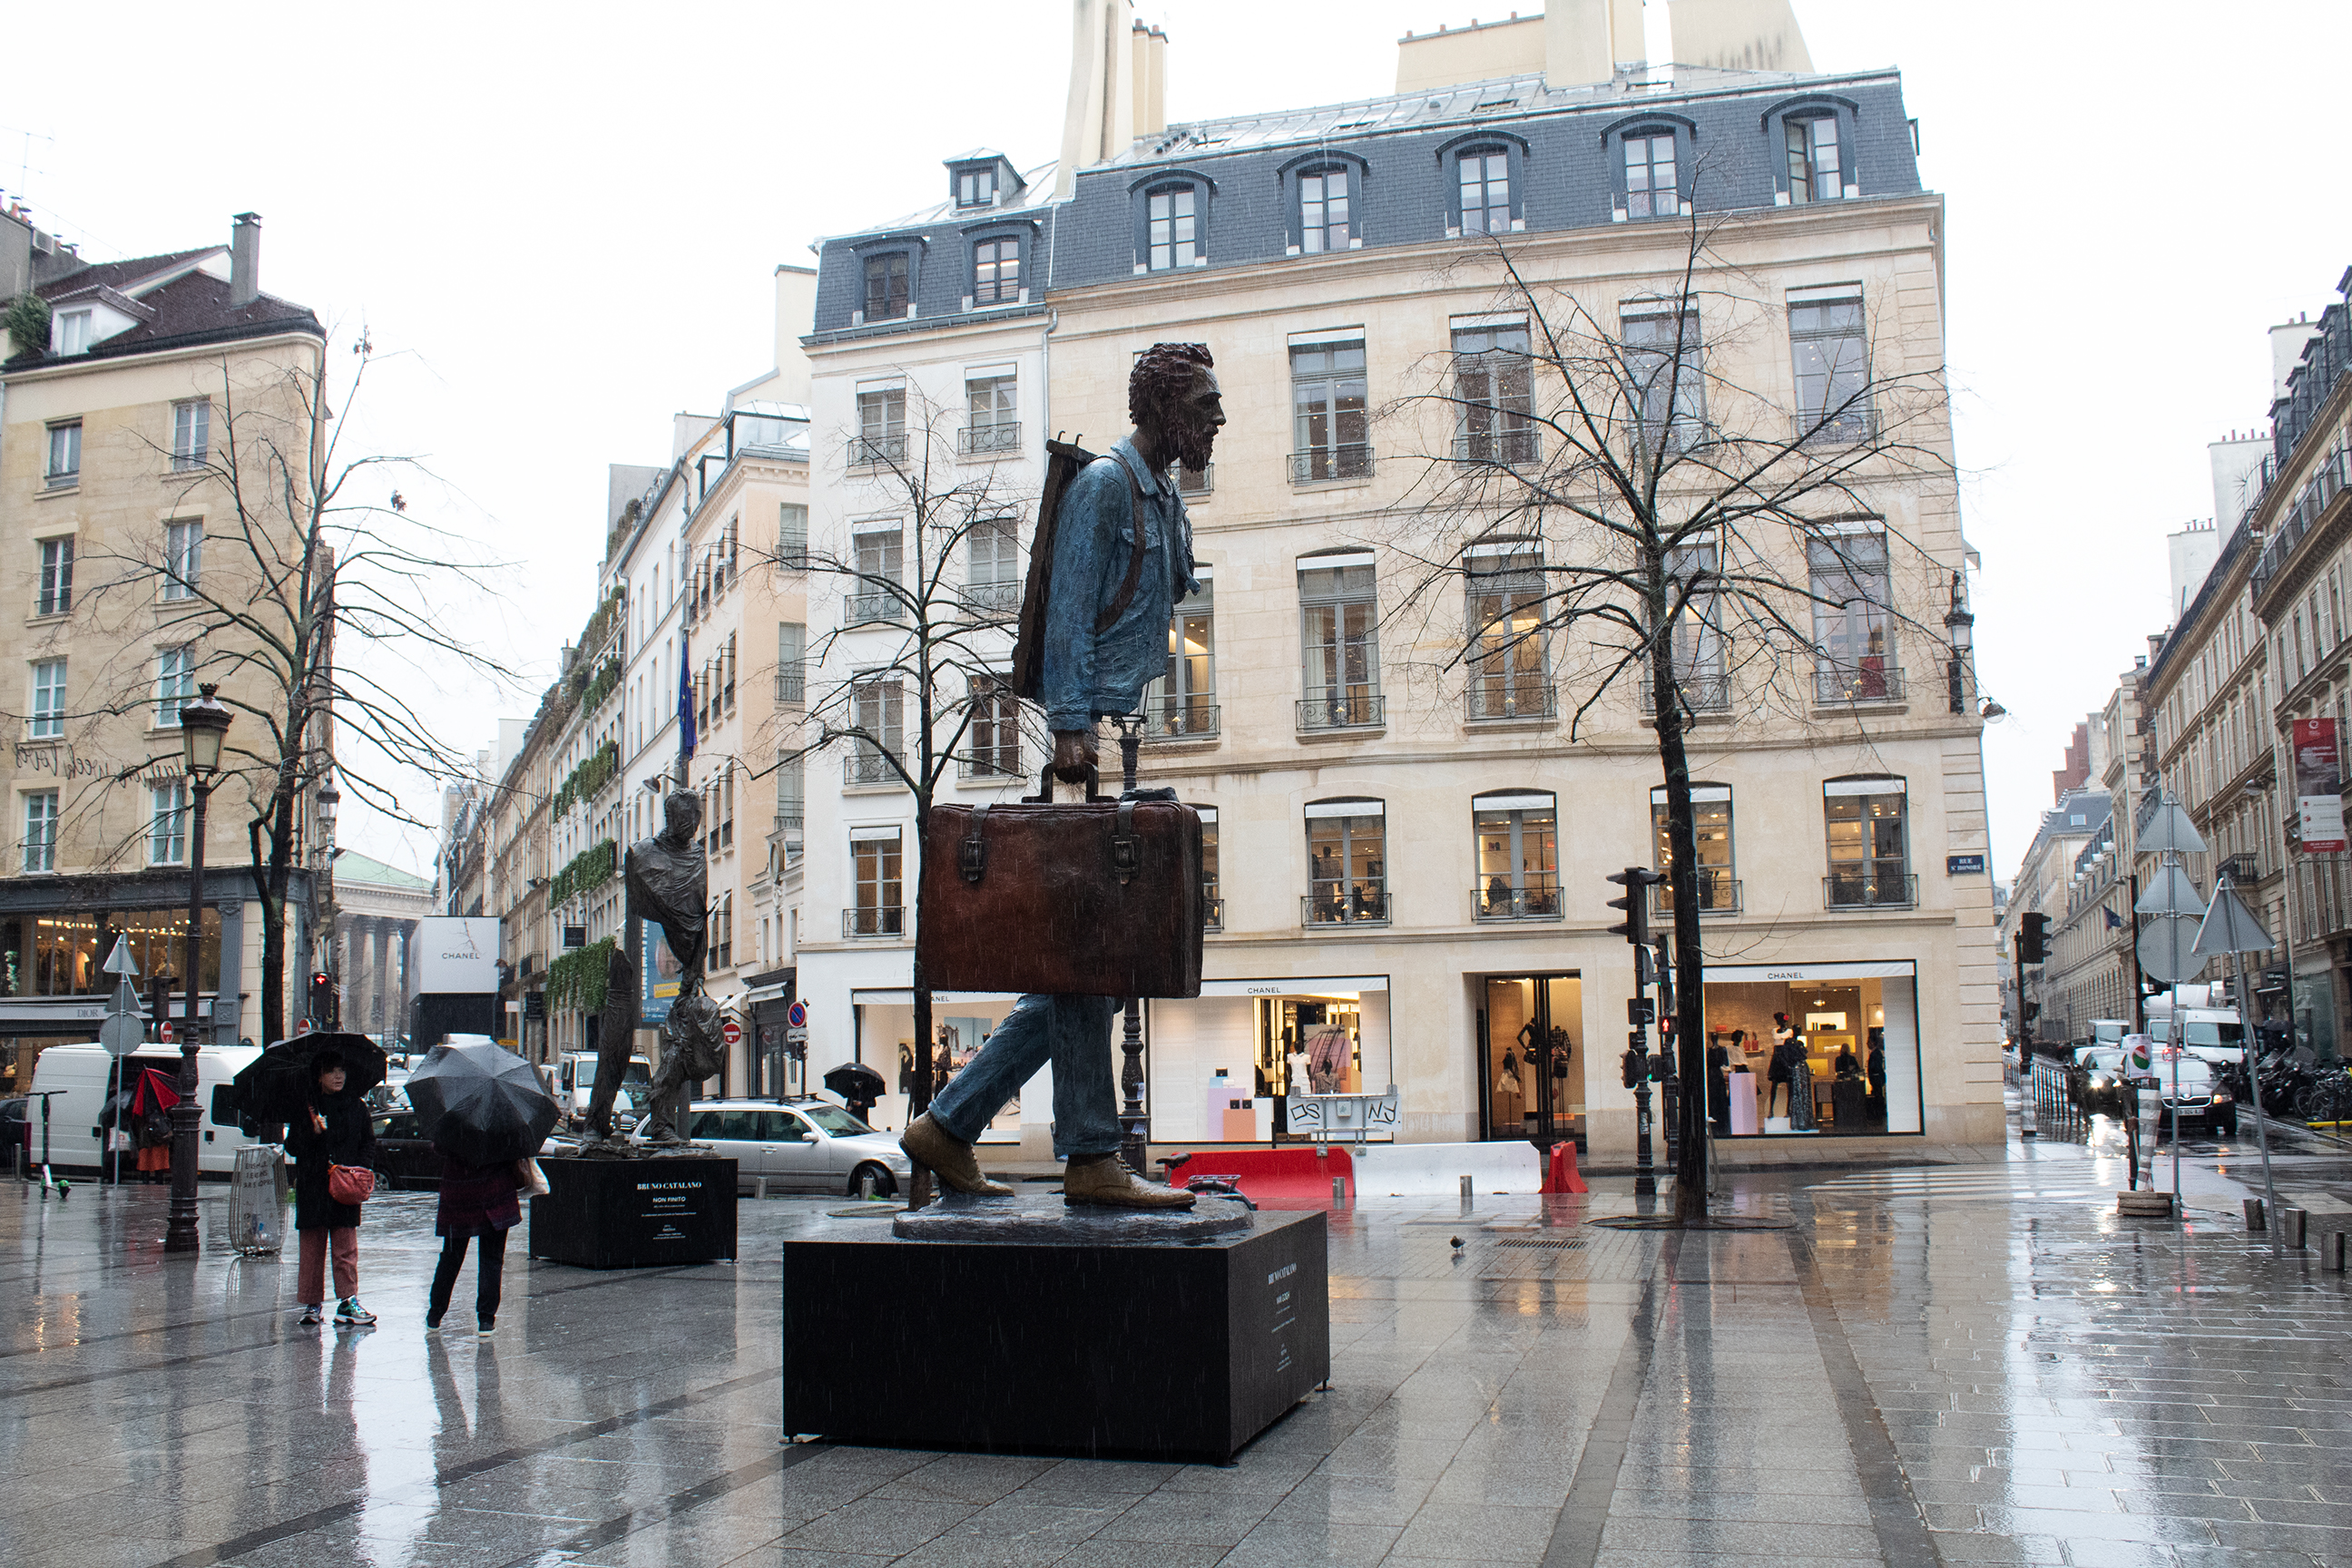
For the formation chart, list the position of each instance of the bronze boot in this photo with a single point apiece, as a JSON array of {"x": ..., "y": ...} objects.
[
  {"x": 1104, "y": 1179},
  {"x": 927, "y": 1144}
]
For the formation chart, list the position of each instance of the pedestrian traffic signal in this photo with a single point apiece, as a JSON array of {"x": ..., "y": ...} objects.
[
  {"x": 1637, "y": 882},
  {"x": 2032, "y": 937},
  {"x": 322, "y": 995}
]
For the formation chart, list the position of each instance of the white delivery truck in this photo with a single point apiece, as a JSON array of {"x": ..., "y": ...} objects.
[{"x": 81, "y": 1072}]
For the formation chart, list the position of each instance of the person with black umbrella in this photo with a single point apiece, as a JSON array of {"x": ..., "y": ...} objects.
[
  {"x": 476, "y": 1201},
  {"x": 333, "y": 1130}
]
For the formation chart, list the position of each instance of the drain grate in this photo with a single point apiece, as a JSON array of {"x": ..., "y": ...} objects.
[{"x": 1570, "y": 1243}]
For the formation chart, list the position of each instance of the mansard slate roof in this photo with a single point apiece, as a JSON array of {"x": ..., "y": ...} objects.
[
  {"x": 1398, "y": 144},
  {"x": 190, "y": 310}
]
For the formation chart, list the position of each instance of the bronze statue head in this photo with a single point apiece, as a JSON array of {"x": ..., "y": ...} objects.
[
  {"x": 681, "y": 818},
  {"x": 1172, "y": 394}
]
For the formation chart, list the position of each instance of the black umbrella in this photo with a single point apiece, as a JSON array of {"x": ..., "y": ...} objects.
[
  {"x": 480, "y": 1103},
  {"x": 854, "y": 1082},
  {"x": 278, "y": 1085}
]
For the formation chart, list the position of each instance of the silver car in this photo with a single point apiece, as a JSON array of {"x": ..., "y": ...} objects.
[{"x": 799, "y": 1145}]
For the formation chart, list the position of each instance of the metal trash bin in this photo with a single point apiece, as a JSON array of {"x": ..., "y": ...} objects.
[{"x": 256, "y": 1200}]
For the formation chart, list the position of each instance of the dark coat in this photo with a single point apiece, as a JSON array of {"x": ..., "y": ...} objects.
[
  {"x": 1785, "y": 1056},
  {"x": 476, "y": 1198},
  {"x": 349, "y": 1140}
]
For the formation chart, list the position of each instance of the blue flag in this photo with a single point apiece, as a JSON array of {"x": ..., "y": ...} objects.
[
  {"x": 684, "y": 708},
  {"x": 2114, "y": 922}
]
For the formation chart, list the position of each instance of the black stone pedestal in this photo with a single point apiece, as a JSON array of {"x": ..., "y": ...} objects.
[
  {"x": 1164, "y": 1350},
  {"x": 634, "y": 1214}
]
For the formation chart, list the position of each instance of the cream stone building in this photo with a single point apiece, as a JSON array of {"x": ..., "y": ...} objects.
[
  {"x": 1407, "y": 865},
  {"x": 111, "y": 434}
]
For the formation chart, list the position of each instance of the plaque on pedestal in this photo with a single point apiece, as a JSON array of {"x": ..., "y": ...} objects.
[
  {"x": 634, "y": 1214},
  {"x": 1164, "y": 1347}
]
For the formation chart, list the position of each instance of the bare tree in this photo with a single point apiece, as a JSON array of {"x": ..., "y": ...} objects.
[
  {"x": 303, "y": 557},
  {"x": 1601, "y": 490},
  {"x": 929, "y": 603}
]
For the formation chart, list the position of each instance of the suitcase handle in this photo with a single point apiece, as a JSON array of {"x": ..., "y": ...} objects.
[
  {"x": 1045, "y": 795},
  {"x": 1126, "y": 850}
]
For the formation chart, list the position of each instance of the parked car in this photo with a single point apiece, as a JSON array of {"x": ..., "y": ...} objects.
[
  {"x": 403, "y": 1156},
  {"x": 801, "y": 1145},
  {"x": 2203, "y": 1103}
]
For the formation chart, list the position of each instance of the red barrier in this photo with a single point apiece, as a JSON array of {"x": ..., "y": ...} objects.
[
  {"x": 1293, "y": 1178},
  {"x": 1560, "y": 1174}
]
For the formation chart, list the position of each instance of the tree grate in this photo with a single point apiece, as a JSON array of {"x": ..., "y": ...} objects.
[{"x": 1570, "y": 1243}]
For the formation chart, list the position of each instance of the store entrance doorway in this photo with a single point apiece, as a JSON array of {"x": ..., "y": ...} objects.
[{"x": 1526, "y": 1057}]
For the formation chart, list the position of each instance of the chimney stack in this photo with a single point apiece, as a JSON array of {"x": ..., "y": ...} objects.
[{"x": 244, "y": 260}]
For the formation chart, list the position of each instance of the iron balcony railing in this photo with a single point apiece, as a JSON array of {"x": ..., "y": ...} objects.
[
  {"x": 791, "y": 685},
  {"x": 1835, "y": 684},
  {"x": 1003, "y": 762},
  {"x": 2333, "y": 476},
  {"x": 867, "y": 608},
  {"x": 1196, "y": 481},
  {"x": 1356, "y": 904},
  {"x": 1343, "y": 709},
  {"x": 1216, "y": 914},
  {"x": 1495, "y": 699},
  {"x": 1347, "y": 460},
  {"x": 1869, "y": 890},
  {"x": 1509, "y": 448},
  {"x": 989, "y": 440},
  {"x": 1718, "y": 895},
  {"x": 2241, "y": 869},
  {"x": 888, "y": 448},
  {"x": 879, "y": 920},
  {"x": 868, "y": 768},
  {"x": 1707, "y": 692},
  {"x": 1845, "y": 426},
  {"x": 1181, "y": 718},
  {"x": 1497, "y": 900},
  {"x": 996, "y": 598}
]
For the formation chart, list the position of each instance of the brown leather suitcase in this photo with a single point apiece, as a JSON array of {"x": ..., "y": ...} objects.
[{"x": 1102, "y": 899}]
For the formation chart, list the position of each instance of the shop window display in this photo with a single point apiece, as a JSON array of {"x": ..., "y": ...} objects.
[
  {"x": 1529, "y": 1056},
  {"x": 1857, "y": 1027}
]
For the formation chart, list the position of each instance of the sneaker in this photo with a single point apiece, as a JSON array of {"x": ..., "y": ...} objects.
[
  {"x": 349, "y": 1312},
  {"x": 487, "y": 1327},
  {"x": 431, "y": 1322},
  {"x": 313, "y": 1315}
]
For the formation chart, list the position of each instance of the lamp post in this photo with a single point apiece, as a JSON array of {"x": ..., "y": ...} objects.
[
  {"x": 203, "y": 725},
  {"x": 331, "y": 951},
  {"x": 1961, "y": 627}
]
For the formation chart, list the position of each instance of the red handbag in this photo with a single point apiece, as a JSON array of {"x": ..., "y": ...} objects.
[{"x": 349, "y": 1184}]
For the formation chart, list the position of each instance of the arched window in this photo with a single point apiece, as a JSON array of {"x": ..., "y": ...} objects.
[
  {"x": 1323, "y": 194},
  {"x": 1347, "y": 863},
  {"x": 1483, "y": 189},
  {"x": 1172, "y": 229},
  {"x": 1812, "y": 141},
  {"x": 1650, "y": 157},
  {"x": 1516, "y": 836}
]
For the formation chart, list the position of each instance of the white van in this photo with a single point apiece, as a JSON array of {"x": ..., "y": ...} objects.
[
  {"x": 2212, "y": 1034},
  {"x": 575, "y": 1085},
  {"x": 81, "y": 1072}
]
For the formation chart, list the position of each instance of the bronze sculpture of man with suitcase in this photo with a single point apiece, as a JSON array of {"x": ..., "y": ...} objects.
[{"x": 1121, "y": 558}]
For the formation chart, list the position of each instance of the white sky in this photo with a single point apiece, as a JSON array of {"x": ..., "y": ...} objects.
[{"x": 559, "y": 226}]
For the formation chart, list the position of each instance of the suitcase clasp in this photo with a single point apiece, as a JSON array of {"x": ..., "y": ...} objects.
[
  {"x": 1126, "y": 852},
  {"x": 972, "y": 855}
]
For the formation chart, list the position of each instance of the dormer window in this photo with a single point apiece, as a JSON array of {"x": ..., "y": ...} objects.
[
  {"x": 1816, "y": 173},
  {"x": 976, "y": 188},
  {"x": 886, "y": 286},
  {"x": 996, "y": 271},
  {"x": 1172, "y": 219},
  {"x": 1650, "y": 187},
  {"x": 1323, "y": 211},
  {"x": 73, "y": 332}
]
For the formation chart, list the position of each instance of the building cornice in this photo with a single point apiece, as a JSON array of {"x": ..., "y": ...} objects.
[{"x": 66, "y": 369}]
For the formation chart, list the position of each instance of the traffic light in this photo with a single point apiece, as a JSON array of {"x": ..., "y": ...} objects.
[
  {"x": 2033, "y": 938},
  {"x": 1636, "y": 881},
  {"x": 322, "y": 997}
]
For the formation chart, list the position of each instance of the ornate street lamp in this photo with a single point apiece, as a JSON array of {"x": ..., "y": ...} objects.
[
  {"x": 1961, "y": 625},
  {"x": 203, "y": 725}
]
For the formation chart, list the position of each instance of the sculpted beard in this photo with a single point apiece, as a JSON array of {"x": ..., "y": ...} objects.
[{"x": 1193, "y": 437}]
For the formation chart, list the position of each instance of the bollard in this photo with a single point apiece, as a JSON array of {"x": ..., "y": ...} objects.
[
  {"x": 758, "y": 1186},
  {"x": 1339, "y": 1189},
  {"x": 1466, "y": 1194},
  {"x": 2256, "y": 1218},
  {"x": 2291, "y": 1222},
  {"x": 865, "y": 1186},
  {"x": 2331, "y": 1252}
]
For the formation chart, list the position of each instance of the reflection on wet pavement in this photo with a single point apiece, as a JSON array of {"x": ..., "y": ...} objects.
[{"x": 1970, "y": 1363}]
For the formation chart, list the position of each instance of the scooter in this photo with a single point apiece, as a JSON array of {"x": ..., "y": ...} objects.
[{"x": 49, "y": 1181}]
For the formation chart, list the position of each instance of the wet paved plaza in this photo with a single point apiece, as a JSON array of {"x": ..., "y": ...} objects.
[{"x": 1978, "y": 1363}]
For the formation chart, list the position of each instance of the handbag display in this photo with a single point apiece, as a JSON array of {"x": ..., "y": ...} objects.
[
  {"x": 349, "y": 1184},
  {"x": 1095, "y": 899}
]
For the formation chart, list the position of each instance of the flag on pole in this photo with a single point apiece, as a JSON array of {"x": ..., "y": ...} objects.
[
  {"x": 2114, "y": 922},
  {"x": 685, "y": 710}
]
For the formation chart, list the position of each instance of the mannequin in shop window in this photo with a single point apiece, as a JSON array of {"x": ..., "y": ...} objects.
[
  {"x": 1510, "y": 1097},
  {"x": 1787, "y": 1051}
]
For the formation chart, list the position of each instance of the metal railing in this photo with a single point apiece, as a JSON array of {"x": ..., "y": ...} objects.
[
  {"x": 1002, "y": 764},
  {"x": 1718, "y": 895},
  {"x": 1702, "y": 693},
  {"x": 1179, "y": 719},
  {"x": 868, "y": 768},
  {"x": 1835, "y": 684},
  {"x": 1846, "y": 427},
  {"x": 1347, "y": 460},
  {"x": 1365, "y": 904},
  {"x": 877, "y": 451},
  {"x": 1540, "y": 902},
  {"x": 1195, "y": 481},
  {"x": 1343, "y": 710},
  {"x": 1509, "y": 448},
  {"x": 879, "y": 920},
  {"x": 999, "y": 598},
  {"x": 867, "y": 608},
  {"x": 2241, "y": 869},
  {"x": 1860, "y": 889},
  {"x": 2333, "y": 476},
  {"x": 1490, "y": 701},
  {"x": 791, "y": 685},
  {"x": 989, "y": 440}
]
